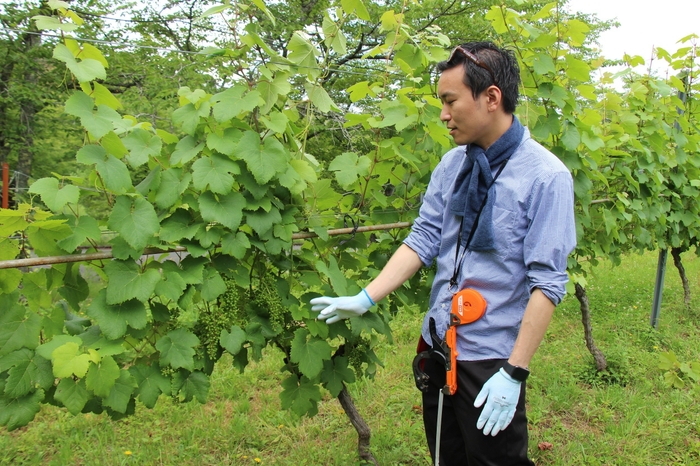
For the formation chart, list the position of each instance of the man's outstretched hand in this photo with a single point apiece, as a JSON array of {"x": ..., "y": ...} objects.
[{"x": 343, "y": 307}]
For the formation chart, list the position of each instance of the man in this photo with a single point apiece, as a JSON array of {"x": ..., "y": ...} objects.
[{"x": 498, "y": 218}]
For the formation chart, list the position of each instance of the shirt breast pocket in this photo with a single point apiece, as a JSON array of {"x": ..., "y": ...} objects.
[{"x": 504, "y": 231}]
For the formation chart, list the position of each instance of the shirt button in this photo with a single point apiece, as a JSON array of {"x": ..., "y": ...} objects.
[{"x": 443, "y": 305}]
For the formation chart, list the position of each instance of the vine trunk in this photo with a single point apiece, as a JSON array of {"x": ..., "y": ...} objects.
[{"x": 600, "y": 362}]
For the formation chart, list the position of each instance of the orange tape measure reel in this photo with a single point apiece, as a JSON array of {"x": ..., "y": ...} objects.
[{"x": 467, "y": 306}]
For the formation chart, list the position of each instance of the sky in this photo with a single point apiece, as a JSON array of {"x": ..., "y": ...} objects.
[{"x": 644, "y": 24}]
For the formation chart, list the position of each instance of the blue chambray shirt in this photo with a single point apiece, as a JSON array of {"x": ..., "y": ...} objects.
[{"x": 534, "y": 229}]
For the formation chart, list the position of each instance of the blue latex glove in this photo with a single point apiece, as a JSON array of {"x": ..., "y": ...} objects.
[
  {"x": 344, "y": 307},
  {"x": 501, "y": 393}
]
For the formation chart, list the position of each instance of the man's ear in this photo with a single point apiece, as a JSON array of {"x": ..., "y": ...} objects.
[{"x": 493, "y": 98}]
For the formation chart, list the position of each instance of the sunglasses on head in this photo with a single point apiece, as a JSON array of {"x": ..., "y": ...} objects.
[{"x": 474, "y": 59}]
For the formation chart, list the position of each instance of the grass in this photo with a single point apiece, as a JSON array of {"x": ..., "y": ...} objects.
[{"x": 576, "y": 417}]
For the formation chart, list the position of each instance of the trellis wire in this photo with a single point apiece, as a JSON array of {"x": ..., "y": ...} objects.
[{"x": 51, "y": 260}]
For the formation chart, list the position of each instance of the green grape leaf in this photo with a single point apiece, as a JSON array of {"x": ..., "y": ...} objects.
[
  {"x": 261, "y": 222},
  {"x": 185, "y": 150},
  {"x": 90, "y": 153},
  {"x": 544, "y": 64},
  {"x": 300, "y": 395},
  {"x": 9, "y": 280},
  {"x": 84, "y": 228},
  {"x": 309, "y": 354},
  {"x": 247, "y": 180},
  {"x": 84, "y": 70},
  {"x": 171, "y": 286},
  {"x": 366, "y": 323},
  {"x": 93, "y": 339},
  {"x": 265, "y": 160},
  {"x": 114, "y": 145},
  {"x": 348, "y": 167},
  {"x": 135, "y": 219},
  {"x": 577, "y": 69},
  {"x": 177, "y": 349},
  {"x": 277, "y": 122},
  {"x": 53, "y": 23},
  {"x": 114, "y": 173},
  {"x": 102, "y": 122},
  {"x": 357, "y": 7},
  {"x": 188, "y": 116},
  {"x": 142, "y": 146},
  {"x": 179, "y": 225},
  {"x": 226, "y": 209},
  {"x": 234, "y": 101},
  {"x": 209, "y": 235},
  {"x": 114, "y": 319},
  {"x": 261, "y": 4},
  {"x": 338, "y": 280},
  {"x": 192, "y": 385},
  {"x": 571, "y": 137},
  {"x": 224, "y": 143},
  {"x": 72, "y": 394},
  {"x": 333, "y": 36},
  {"x": 69, "y": 360},
  {"x": 271, "y": 89},
  {"x": 323, "y": 195},
  {"x": 47, "y": 348},
  {"x": 235, "y": 245},
  {"x": 104, "y": 96},
  {"x": 214, "y": 172},
  {"x": 120, "y": 395},
  {"x": 75, "y": 288},
  {"x": 44, "y": 234},
  {"x": 303, "y": 53},
  {"x": 54, "y": 197},
  {"x": 172, "y": 184},
  {"x": 127, "y": 282},
  {"x": 233, "y": 341},
  {"x": 15, "y": 358},
  {"x": 213, "y": 285},
  {"x": 19, "y": 328},
  {"x": 101, "y": 377},
  {"x": 123, "y": 251},
  {"x": 19, "y": 412},
  {"x": 27, "y": 370},
  {"x": 151, "y": 383},
  {"x": 36, "y": 291},
  {"x": 292, "y": 180},
  {"x": 335, "y": 372},
  {"x": 192, "y": 270},
  {"x": 592, "y": 141},
  {"x": 79, "y": 104},
  {"x": 19, "y": 380},
  {"x": 320, "y": 98}
]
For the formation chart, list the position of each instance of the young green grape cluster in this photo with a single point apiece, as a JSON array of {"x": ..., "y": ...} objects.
[
  {"x": 216, "y": 317},
  {"x": 356, "y": 354},
  {"x": 266, "y": 299}
]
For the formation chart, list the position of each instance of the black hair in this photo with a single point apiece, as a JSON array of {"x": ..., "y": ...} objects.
[{"x": 502, "y": 63}]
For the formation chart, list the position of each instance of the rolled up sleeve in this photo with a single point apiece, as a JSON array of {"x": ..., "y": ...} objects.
[{"x": 551, "y": 235}]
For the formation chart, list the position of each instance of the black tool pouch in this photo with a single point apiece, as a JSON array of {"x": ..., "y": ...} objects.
[{"x": 439, "y": 352}]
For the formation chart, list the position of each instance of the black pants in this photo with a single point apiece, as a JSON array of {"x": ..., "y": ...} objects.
[{"x": 461, "y": 443}]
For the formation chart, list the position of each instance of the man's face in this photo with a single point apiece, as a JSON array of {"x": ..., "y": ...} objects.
[{"x": 466, "y": 118}]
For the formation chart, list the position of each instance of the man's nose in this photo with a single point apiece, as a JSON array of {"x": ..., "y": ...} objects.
[{"x": 444, "y": 114}]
